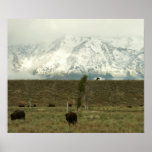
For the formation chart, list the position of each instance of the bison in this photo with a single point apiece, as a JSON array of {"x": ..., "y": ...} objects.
[
  {"x": 18, "y": 114},
  {"x": 129, "y": 106},
  {"x": 21, "y": 105},
  {"x": 71, "y": 118},
  {"x": 51, "y": 105},
  {"x": 34, "y": 105},
  {"x": 70, "y": 105}
]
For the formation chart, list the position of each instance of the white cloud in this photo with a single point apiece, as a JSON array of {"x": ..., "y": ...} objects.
[
  {"x": 22, "y": 75},
  {"x": 24, "y": 31}
]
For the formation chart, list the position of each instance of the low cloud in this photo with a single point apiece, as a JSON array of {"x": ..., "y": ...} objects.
[
  {"x": 22, "y": 76},
  {"x": 25, "y": 31}
]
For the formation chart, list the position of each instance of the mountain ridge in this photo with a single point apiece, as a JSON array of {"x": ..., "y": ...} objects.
[{"x": 70, "y": 57}]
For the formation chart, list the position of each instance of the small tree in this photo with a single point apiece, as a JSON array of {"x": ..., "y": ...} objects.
[{"x": 81, "y": 90}]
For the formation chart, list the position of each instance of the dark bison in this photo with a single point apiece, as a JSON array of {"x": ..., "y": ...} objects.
[
  {"x": 129, "y": 106},
  {"x": 51, "y": 105},
  {"x": 71, "y": 118},
  {"x": 18, "y": 114},
  {"x": 98, "y": 78},
  {"x": 21, "y": 105},
  {"x": 70, "y": 105},
  {"x": 34, "y": 105}
]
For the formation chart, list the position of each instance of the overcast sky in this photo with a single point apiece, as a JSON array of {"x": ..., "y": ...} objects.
[{"x": 25, "y": 31}]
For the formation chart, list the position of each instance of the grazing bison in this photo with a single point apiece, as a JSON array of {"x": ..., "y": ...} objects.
[
  {"x": 21, "y": 105},
  {"x": 70, "y": 105},
  {"x": 98, "y": 78},
  {"x": 18, "y": 114},
  {"x": 51, "y": 105},
  {"x": 71, "y": 118},
  {"x": 34, "y": 105},
  {"x": 129, "y": 106}
]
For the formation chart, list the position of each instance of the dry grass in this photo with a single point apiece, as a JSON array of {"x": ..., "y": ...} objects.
[
  {"x": 107, "y": 92},
  {"x": 108, "y": 101},
  {"x": 94, "y": 120}
]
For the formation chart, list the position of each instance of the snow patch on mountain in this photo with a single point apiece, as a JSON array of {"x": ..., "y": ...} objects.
[{"x": 70, "y": 57}]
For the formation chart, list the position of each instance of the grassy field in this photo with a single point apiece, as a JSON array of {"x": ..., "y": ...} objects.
[
  {"x": 108, "y": 103},
  {"x": 95, "y": 120},
  {"x": 43, "y": 92}
]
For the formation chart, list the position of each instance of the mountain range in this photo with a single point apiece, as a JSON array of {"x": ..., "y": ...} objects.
[{"x": 70, "y": 57}]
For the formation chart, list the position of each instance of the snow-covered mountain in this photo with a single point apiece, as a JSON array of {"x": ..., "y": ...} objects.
[{"x": 70, "y": 57}]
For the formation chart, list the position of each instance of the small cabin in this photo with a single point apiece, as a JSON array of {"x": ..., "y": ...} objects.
[{"x": 97, "y": 78}]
